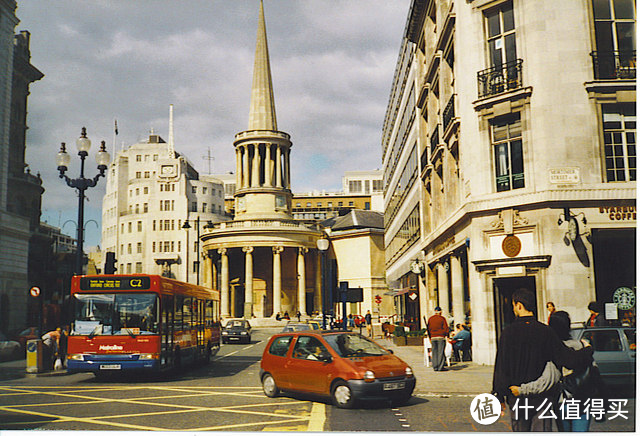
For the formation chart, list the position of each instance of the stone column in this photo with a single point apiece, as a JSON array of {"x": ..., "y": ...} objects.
[
  {"x": 248, "y": 281},
  {"x": 207, "y": 270},
  {"x": 268, "y": 166},
  {"x": 224, "y": 282},
  {"x": 245, "y": 166},
  {"x": 278, "y": 165},
  {"x": 302, "y": 279},
  {"x": 443, "y": 290},
  {"x": 277, "y": 280},
  {"x": 287, "y": 172},
  {"x": 238, "y": 167},
  {"x": 457, "y": 289},
  {"x": 255, "y": 166}
]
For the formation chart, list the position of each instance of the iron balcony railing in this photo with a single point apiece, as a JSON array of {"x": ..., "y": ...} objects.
[
  {"x": 500, "y": 78},
  {"x": 449, "y": 114},
  {"x": 614, "y": 65},
  {"x": 435, "y": 140}
]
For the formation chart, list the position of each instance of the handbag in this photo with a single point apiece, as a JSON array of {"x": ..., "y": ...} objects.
[{"x": 583, "y": 384}]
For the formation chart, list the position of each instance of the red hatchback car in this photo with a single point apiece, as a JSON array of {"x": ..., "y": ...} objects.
[{"x": 343, "y": 365}]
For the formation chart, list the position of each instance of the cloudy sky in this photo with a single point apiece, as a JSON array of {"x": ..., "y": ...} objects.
[{"x": 332, "y": 63}]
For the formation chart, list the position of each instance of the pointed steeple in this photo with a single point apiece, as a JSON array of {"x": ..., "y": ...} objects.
[{"x": 262, "y": 115}]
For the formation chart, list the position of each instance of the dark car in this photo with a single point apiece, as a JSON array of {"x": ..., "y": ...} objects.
[
  {"x": 236, "y": 330},
  {"x": 26, "y": 335},
  {"x": 345, "y": 366},
  {"x": 614, "y": 350}
]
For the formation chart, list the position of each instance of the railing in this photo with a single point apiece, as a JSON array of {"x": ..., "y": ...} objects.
[
  {"x": 264, "y": 224},
  {"x": 500, "y": 78},
  {"x": 435, "y": 140},
  {"x": 448, "y": 114},
  {"x": 614, "y": 65}
]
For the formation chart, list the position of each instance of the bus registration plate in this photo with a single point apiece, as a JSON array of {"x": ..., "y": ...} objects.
[
  {"x": 110, "y": 366},
  {"x": 393, "y": 386}
]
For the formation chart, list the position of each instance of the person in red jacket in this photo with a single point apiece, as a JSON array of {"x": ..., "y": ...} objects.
[{"x": 438, "y": 330}]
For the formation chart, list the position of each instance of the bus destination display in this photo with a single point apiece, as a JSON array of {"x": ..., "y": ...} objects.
[{"x": 114, "y": 284}]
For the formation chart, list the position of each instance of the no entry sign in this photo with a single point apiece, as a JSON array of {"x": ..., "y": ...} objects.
[{"x": 35, "y": 291}]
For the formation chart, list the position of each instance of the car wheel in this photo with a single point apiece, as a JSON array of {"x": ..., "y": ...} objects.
[
  {"x": 342, "y": 395},
  {"x": 269, "y": 386}
]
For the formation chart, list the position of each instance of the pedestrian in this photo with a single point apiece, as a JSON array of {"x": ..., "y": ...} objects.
[
  {"x": 571, "y": 385},
  {"x": 596, "y": 318},
  {"x": 350, "y": 321},
  {"x": 62, "y": 345},
  {"x": 51, "y": 341},
  {"x": 524, "y": 349},
  {"x": 298, "y": 315},
  {"x": 438, "y": 330},
  {"x": 367, "y": 320},
  {"x": 278, "y": 317},
  {"x": 286, "y": 316},
  {"x": 461, "y": 343},
  {"x": 551, "y": 308}
]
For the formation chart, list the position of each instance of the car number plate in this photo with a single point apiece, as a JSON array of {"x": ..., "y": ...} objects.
[
  {"x": 110, "y": 366},
  {"x": 393, "y": 386}
]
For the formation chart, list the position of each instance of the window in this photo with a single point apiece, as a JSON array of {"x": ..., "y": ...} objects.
[
  {"x": 138, "y": 174},
  {"x": 619, "y": 128},
  {"x": 145, "y": 207},
  {"x": 308, "y": 204},
  {"x": 194, "y": 189},
  {"x": 309, "y": 348},
  {"x": 298, "y": 205},
  {"x": 351, "y": 203},
  {"x": 146, "y": 158},
  {"x": 319, "y": 204},
  {"x": 128, "y": 248},
  {"x": 367, "y": 205},
  {"x": 129, "y": 226},
  {"x": 137, "y": 191},
  {"x": 339, "y": 204},
  {"x": 355, "y": 185},
  {"x": 153, "y": 247},
  {"x": 139, "y": 226},
  {"x": 204, "y": 207},
  {"x": 377, "y": 186},
  {"x": 137, "y": 208},
  {"x": 501, "y": 35},
  {"x": 366, "y": 186},
  {"x": 139, "y": 247},
  {"x": 330, "y": 204},
  {"x": 506, "y": 138},
  {"x": 138, "y": 158},
  {"x": 155, "y": 157},
  {"x": 615, "y": 42},
  {"x": 204, "y": 189},
  {"x": 146, "y": 174},
  {"x": 146, "y": 189},
  {"x": 280, "y": 346},
  {"x": 128, "y": 268},
  {"x": 154, "y": 225},
  {"x": 194, "y": 206},
  {"x": 138, "y": 267}
]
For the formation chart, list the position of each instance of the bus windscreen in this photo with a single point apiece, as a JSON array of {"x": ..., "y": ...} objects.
[{"x": 115, "y": 314}]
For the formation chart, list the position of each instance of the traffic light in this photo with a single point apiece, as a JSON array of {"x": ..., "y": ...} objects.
[{"x": 110, "y": 263}]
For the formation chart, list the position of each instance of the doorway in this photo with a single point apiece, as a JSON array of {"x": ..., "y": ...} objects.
[{"x": 503, "y": 289}]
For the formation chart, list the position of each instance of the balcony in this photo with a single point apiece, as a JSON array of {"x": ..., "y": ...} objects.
[
  {"x": 499, "y": 79},
  {"x": 615, "y": 65}
]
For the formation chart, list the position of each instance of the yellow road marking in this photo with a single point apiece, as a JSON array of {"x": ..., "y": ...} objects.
[{"x": 317, "y": 418}]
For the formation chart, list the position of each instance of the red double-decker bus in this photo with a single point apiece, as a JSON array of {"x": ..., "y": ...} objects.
[{"x": 140, "y": 322}]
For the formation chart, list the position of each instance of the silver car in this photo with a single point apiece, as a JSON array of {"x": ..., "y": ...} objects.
[{"x": 614, "y": 350}]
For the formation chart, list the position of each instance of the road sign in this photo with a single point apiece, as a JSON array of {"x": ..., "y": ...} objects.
[
  {"x": 35, "y": 291},
  {"x": 378, "y": 299}
]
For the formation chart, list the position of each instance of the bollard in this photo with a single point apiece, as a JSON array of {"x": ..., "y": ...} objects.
[{"x": 35, "y": 356}]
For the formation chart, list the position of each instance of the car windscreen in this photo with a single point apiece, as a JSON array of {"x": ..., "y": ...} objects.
[
  {"x": 115, "y": 314},
  {"x": 352, "y": 345}
]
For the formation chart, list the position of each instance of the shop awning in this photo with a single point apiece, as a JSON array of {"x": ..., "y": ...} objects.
[{"x": 396, "y": 292}]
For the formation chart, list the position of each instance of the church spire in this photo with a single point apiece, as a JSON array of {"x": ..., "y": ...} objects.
[{"x": 262, "y": 115}]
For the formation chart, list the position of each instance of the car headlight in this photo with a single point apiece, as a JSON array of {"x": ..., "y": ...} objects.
[
  {"x": 225, "y": 333},
  {"x": 243, "y": 333},
  {"x": 408, "y": 371},
  {"x": 74, "y": 357},
  {"x": 369, "y": 376}
]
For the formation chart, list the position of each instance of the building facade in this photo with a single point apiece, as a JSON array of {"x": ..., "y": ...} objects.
[
  {"x": 155, "y": 207},
  {"x": 524, "y": 145}
]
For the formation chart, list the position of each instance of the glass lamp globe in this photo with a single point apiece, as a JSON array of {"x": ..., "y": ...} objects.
[
  {"x": 322, "y": 244},
  {"x": 102, "y": 157},
  {"x": 63, "y": 158},
  {"x": 83, "y": 143}
]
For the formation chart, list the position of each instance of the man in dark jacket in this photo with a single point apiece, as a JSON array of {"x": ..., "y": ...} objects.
[
  {"x": 438, "y": 330},
  {"x": 524, "y": 349},
  {"x": 596, "y": 318}
]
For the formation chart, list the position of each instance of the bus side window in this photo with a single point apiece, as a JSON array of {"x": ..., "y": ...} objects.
[
  {"x": 209, "y": 313},
  {"x": 179, "y": 314}
]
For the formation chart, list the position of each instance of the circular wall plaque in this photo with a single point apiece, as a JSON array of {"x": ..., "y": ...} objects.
[
  {"x": 625, "y": 298},
  {"x": 511, "y": 246}
]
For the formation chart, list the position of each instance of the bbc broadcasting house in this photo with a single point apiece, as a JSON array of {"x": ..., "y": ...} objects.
[{"x": 510, "y": 161}]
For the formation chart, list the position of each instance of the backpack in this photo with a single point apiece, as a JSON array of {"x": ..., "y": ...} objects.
[{"x": 583, "y": 384}]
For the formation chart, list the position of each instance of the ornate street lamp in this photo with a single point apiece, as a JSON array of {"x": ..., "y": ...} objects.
[
  {"x": 187, "y": 226},
  {"x": 81, "y": 183},
  {"x": 323, "y": 246}
]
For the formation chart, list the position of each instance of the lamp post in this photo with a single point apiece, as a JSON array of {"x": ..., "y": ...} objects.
[
  {"x": 187, "y": 226},
  {"x": 323, "y": 246},
  {"x": 81, "y": 183}
]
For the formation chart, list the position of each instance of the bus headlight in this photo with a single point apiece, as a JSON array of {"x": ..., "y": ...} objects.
[
  {"x": 224, "y": 333},
  {"x": 148, "y": 356},
  {"x": 369, "y": 376},
  {"x": 75, "y": 356}
]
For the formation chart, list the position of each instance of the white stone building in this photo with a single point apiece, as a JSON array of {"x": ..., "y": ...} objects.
[
  {"x": 509, "y": 156},
  {"x": 151, "y": 192}
]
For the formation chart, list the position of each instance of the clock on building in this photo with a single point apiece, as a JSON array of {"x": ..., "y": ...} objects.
[
  {"x": 167, "y": 170},
  {"x": 281, "y": 201}
]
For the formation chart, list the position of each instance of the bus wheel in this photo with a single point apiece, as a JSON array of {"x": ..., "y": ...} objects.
[{"x": 207, "y": 354}]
